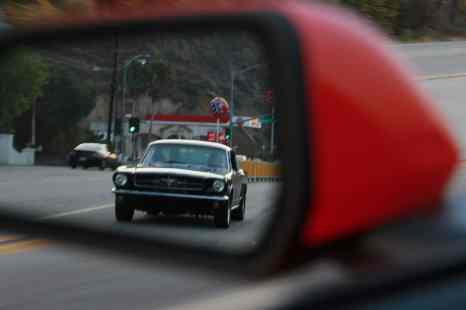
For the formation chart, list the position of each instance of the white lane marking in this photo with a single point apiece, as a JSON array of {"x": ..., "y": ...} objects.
[
  {"x": 57, "y": 179},
  {"x": 441, "y": 77},
  {"x": 80, "y": 211}
]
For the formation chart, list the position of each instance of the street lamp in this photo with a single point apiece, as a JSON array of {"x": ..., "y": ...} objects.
[
  {"x": 232, "y": 94},
  {"x": 143, "y": 59}
]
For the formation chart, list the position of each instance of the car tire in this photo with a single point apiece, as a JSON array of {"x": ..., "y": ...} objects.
[
  {"x": 222, "y": 216},
  {"x": 85, "y": 167},
  {"x": 239, "y": 214},
  {"x": 102, "y": 165},
  {"x": 123, "y": 212},
  {"x": 73, "y": 166}
]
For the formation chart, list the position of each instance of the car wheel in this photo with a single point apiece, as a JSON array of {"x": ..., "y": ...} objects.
[
  {"x": 123, "y": 212},
  {"x": 73, "y": 166},
  {"x": 239, "y": 213},
  {"x": 85, "y": 167},
  {"x": 103, "y": 165},
  {"x": 222, "y": 216}
]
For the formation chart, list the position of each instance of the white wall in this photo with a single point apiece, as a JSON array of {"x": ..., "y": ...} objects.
[
  {"x": 5, "y": 148},
  {"x": 9, "y": 155}
]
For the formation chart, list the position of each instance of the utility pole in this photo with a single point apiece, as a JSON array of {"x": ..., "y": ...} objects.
[
  {"x": 233, "y": 75},
  {"x": 33, "y": 123},
  {"x": 144, "y": 58},
  {"x": 112, "y": 91},
  {"x": 232, "y": 103},
  {"x": 272, "y": 135}
]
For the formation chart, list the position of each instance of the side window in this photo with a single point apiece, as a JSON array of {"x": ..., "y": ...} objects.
[{"x": 234, "y": 164}]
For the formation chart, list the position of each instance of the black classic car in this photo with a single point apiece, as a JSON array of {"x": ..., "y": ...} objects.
[
  {"x": 88, "y": 155},
  {"x": 183, "y": 177}
]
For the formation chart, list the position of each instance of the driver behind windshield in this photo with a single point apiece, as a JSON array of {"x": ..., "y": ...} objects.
[
  {"x": 158, "y": 156},
  {"x": 217, "y": 160},
  {"x": 187, "y": 157}
]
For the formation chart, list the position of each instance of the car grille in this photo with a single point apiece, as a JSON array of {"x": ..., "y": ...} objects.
[{"x": 169, "y": 183}]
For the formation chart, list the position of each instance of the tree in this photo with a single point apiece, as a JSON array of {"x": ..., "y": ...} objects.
[
  {"x": 65, "y": 102},
  {"x": 23, "y": 76},
  {"x": 383, "y": 12}
]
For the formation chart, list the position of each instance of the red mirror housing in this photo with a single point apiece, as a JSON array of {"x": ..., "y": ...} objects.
[{"x": 379, "y": 150}]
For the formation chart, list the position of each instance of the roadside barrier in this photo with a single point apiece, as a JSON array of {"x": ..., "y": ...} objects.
[{"x": 261, "y": 172}]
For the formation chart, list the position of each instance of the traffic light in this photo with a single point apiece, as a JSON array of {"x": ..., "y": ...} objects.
[
  {"x": 133, "y": 125},
  {"x": 227, "y": 134},
  {"x": 269, "y": 96}
]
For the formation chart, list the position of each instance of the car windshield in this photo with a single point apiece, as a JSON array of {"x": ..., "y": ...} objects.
[{"x": 192, "y": 157}]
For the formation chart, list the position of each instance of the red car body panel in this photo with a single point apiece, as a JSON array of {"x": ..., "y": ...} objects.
[{"x": 379, "y": 150}]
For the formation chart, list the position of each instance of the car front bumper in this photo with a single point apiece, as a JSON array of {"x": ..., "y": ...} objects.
[
  {"x": 170, "y": 202},
  {"x": 126, "y": 192}
]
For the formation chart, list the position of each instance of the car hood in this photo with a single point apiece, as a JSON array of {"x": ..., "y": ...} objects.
[{"x": 173, "y": 171}]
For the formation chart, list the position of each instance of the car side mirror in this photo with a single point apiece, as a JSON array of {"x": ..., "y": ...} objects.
[{"x": 346, "y": 148}]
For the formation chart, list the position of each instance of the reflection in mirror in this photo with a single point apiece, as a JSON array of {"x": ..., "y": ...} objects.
[{"x": 182, "y": 127}]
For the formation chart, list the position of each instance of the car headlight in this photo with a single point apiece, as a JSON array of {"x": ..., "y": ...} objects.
[
  {"x": 218, "y": 186},
  {"x": 121, "y": 180}
]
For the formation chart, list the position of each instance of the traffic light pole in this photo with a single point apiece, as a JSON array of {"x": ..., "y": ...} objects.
[
  {"x": 232, "y": 95},
  {"x": 112, "y": 92},
  {"x": 218, "y": 130},
  {"x": 133, "y": 151},
  {"x": 232, "y": 106},
  {"x": 272, "y": 134}
]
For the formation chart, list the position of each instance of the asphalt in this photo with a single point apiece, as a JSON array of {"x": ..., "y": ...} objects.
[
  {"x": 39, "y": 274},
  {"x": 427, "y": 59},
  {"x": 84, "y": 197},
  {"x": 46, "y": 275}
]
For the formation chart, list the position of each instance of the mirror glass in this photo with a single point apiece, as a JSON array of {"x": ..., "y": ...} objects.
[{"x": 170, "y": 136}]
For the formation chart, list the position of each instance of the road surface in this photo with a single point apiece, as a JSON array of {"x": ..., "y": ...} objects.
[
  {"x": 84, "y": 197},
  {"x": 429, "y": 59},
  {"x": 38, "y": 274}
]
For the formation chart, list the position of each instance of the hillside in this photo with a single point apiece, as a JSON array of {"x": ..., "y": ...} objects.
[{"x": 186, "y": 70}]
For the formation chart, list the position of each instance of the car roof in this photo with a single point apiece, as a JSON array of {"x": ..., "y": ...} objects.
[
  {"x": 191, "y": 142},
  {"x": 89, "y": 146}
]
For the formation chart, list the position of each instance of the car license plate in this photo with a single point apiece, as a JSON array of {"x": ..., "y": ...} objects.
[{"x": 82, "y": 159}]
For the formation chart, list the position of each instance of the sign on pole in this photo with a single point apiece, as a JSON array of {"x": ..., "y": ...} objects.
[
  {"x": 253, "y": 123},
  {"x": 247, "y": 122},
  {"x": 219, "y": 107},
  {"x": 211, "y": 136}
]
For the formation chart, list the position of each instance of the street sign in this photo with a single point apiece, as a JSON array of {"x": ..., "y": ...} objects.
[
  {"x": 211, "y": 136},
  {"x": 266, "y": 119},
  {"x": 253, "y": 123},
  {"x": 219, "y": 107},
  {"x": 247, "y": 121},
  {"x": 221, "y": 138}
]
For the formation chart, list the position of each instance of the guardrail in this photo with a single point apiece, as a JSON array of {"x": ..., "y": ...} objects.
[
  {"x": 263, "y": 179},
  {"x": 258, "y": 171}
]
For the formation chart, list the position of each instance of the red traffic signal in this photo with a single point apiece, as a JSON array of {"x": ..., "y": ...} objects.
[{"x": 268, "y": 96}]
